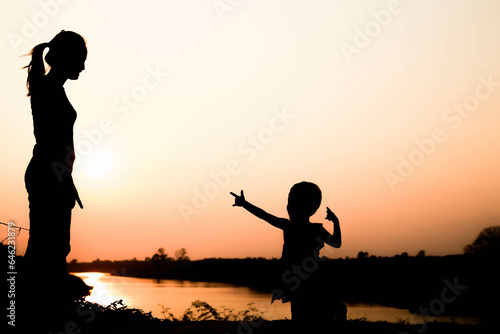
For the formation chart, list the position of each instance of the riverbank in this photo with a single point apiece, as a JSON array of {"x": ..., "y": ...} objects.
[
  {"x": 86, "y": 317},
  {"x": 90, "y": 318},
  {"x": 456, "y": 285},
  {"x": 121, "y": 326},
  {"x": 286, "y": 326}
]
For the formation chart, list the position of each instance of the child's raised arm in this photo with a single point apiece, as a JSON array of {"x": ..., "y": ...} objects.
[
  {"x": 258, "y": 212},
  {"x": 335, "y": 240}
]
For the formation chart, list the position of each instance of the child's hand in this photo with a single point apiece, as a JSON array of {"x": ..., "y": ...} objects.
[
  {"x": 330, "y": 215},
  {"x": 238, "y": 200}
]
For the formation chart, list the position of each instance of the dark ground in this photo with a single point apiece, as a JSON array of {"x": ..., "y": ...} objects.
[
  {"x": 274, "y": 327},
  {"x": 90, "y": 318}
]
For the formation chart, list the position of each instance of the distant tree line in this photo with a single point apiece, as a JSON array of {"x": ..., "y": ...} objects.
[{"x": 404, "y": 281}]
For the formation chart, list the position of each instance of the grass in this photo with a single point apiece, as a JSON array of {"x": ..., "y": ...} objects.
[
  {"x": 202, "y": 311},
  {"x": 85, "y": 317}
]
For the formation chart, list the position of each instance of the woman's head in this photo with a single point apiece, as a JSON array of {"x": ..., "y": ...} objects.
[
  {"x": 66, "y": 57},
  {"x": 304, "y": 200}
]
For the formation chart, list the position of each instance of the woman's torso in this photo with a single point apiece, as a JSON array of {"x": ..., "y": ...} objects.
[{"x": 53, "y": 120}]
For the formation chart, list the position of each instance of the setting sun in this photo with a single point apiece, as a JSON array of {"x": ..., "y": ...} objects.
[{"x": 98, "y": 163}]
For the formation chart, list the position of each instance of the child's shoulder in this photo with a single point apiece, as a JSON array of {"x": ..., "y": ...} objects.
[
  {"x": 306, "y": 228},
  {"x": 318, "y": 228},
  {"x": 313, "y": 227}
]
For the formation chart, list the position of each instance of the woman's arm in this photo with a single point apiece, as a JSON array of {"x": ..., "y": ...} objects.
[{"x": 280, "y": 223}]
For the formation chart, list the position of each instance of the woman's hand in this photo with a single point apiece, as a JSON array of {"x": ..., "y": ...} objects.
[{"x": 238, "y": 200}]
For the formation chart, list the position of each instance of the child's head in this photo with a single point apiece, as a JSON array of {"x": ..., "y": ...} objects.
[{"x": 304, "y": 200}]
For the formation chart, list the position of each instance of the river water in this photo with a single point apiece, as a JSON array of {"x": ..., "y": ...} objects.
[{"x": 155, "y": 296}]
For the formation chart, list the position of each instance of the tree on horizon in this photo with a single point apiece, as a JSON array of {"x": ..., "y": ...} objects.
[
  {"x": 180, "y": 255},
  {"x": 486, "y": 243}
]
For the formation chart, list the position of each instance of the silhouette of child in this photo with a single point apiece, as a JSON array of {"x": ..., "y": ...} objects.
[{"x": 301, "y": 279}]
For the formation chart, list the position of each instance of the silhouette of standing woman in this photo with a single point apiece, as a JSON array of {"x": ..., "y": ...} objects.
[{"x": 51, "y": 191}]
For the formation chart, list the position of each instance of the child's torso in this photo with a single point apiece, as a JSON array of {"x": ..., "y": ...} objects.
[{"x": 302, "y": 241}]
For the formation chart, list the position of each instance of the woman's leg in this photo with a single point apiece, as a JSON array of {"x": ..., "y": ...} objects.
[
  {"x": 50, "y": 220},
  {"x": 49, "y": 240}
]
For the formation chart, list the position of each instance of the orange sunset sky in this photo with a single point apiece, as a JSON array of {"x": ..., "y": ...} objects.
[{"x": 391, "y": 107}]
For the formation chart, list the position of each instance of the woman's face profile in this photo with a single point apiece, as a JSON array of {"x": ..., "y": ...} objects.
[
  {"x": 70, "y": 63},
  {"x": 76, "y": 65}
]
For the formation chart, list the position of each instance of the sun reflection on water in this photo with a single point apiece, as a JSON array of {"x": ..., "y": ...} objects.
[
  {"x": 153, "y": 295},
  {"x": 102, "y": 293}
]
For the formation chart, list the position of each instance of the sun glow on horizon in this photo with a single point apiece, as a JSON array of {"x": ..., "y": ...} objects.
[{"x": 98, "y": 163}]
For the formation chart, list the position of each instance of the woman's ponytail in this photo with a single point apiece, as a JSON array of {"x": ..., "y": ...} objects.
[{"x": 36, "y": 67}]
